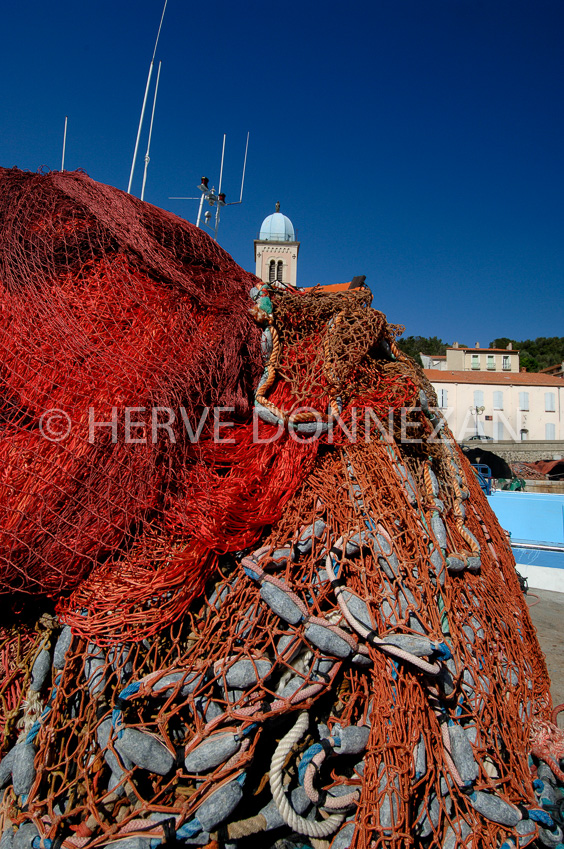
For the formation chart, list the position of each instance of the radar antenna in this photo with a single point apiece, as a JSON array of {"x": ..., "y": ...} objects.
[{"x": 214, "y": 198}]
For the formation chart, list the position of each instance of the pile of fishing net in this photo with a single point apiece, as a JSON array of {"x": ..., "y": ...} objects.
[{"x": 255, "y": 596}]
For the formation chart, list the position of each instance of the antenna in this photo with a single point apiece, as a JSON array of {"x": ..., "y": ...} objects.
[
  {"x": 214, "y": 198},
  {"x": 243, "y": 175},
  {"x": 64, "y": 143},
  {"x": 221, "y": 200},
  {"x": 145, "y": 102},
  {"x": 147, "y": 160}
]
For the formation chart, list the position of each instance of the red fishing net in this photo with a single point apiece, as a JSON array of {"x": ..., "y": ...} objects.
[{"x": 291, "y": 623}]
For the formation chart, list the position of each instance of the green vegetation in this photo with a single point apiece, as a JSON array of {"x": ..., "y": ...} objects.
[
  {"x": 415, "y": 345},
  {"x": 535, "y": 354}
]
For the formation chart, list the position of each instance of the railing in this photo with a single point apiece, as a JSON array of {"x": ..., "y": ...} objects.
[{"x": 484, "y": 475}]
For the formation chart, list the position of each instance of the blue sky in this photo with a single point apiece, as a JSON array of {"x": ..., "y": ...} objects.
[{"x": 419, "y": 142}]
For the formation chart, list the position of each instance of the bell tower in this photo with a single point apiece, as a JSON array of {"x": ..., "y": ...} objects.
[{"x": 276, "y": 250}]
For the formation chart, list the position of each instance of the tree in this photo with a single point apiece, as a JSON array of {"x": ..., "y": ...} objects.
[
  {"x": 535, "y": 354},
  {"x": 416, "y": 345}
]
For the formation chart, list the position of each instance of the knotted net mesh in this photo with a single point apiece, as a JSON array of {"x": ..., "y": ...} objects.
[{"x": 285, "y": 613}]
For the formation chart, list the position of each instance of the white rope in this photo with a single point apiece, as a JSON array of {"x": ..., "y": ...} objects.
[{"x": 288, "y": 814}]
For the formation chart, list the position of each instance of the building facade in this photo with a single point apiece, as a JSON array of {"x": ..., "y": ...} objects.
[
  {"x": 502, "y": 405},
  {"x": 459, "y": 358}
]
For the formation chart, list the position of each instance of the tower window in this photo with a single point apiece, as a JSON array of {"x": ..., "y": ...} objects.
[
  {"x": 279, "y": 270},
  {"x": 272, "y": 271}
]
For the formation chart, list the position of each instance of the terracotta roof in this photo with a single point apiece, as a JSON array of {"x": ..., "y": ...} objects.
[
  {"x": 552, "y": 369},
  {"x": 332, "y": 287},
  {"x": 355, "y": 283},
  {"x": 512, "y": 378}
]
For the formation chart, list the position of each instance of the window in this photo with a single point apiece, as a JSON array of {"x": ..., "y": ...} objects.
[
  {"x": 498, "y": 431},
  {"x": 272, "y": 271},
  {"x": 491, "y": 362},
  {"x": 442, "y": 398},
  {"x": 550, "y": 430},
  {"x": 476, "y": 361},
  {"x": 478, "y": 398},
  {"x": 549, "y": 402},
  {"x": 524, "y": 434},
  {"x": 506, "y": 362},
  {"x": 279, "y": 270},
  {"x": 498, "y": 400},
  {"x": 523, "y": 400}
]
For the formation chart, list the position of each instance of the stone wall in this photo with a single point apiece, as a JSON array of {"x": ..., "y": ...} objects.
[{"x": 524, "y": 451}]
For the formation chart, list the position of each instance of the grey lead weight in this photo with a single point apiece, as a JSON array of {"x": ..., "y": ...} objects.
[
  {"x": 103, "y": 736},
  {"x": 439, "y": 530},
  {"x": 23, "y": 771},
  {"x": 343, "y": 838},
  {"x": 61, "y": 648},
  {"x": 288, "y": 646},
  {"x": 494, "y": 808},
  {"x": 299, "y": 801},
  {"x": 358, "y": 608},
  {"x": 145, "y": 751},
  {"x": 390, "y": 565},
  {"x": 418, "y": 646},
  {"x": 455, "y": 564},
  {"x": 6, "y": 766},
  {"x": 40, "y": 670},
  {"x": 420, "y": 758},
  {"x": 281, "y": 603},
  {"x": 451, "y": 838},
  {"x": 212, "y": 752},
  {"x": 7, "y": 839},
  {"x": 430, "y": 819},
  {"x": 219, "y": 805},
  {"x": 527, "y": 831},
  {"x": 280, "y": 557},
  {"x": 292, "y": 686},
  {"x": 305, "y": 540},
  {"x": 550, "y": 837},
  {"x": 408, "y": 483},
  {"x": 326, "y": 640},
  {"x": 118, "y": 658},
  {"x": 134, "y": 843},
  {"x": 166, "y": 685},
  {"x": 246, "y": 673},
  {"x": 463, "y": 753},
  {"x": 434, "y": 482},
  {"x": 24, "y": 836},
  {"x": 361, "y": 660},
  {"x": 94, "y": 667},
  {"x": 354, "y": 740},
  {"x": 266, "y": 342}
]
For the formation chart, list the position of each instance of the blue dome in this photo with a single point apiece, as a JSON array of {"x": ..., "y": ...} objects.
[{"x": 277, "y": 228}]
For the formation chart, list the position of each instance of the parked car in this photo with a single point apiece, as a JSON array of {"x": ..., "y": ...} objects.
[{"x": 481, "y": 437}]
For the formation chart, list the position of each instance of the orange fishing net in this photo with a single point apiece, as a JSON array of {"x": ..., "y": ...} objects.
[{"x": 296, "y": 626}]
